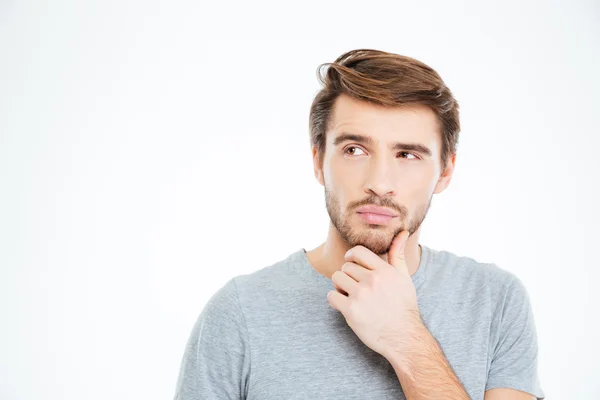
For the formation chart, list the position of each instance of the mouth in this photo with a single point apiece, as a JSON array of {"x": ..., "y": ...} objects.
[
  {"x": 376, "y": 219},
  {"x": 371, "y": 209}
]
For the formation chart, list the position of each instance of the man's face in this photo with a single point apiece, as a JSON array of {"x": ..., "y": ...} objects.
[{"x": 402, "y": 179}]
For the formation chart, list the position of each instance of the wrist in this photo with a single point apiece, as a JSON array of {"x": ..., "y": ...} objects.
[{"x": 410, "y": 340}]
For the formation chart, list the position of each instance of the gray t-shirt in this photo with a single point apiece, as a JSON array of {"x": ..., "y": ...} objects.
[{"x": 272, "y": 335}]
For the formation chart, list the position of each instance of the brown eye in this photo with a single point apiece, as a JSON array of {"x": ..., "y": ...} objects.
[
  {"x": 352, "y": 147},
  {"x": 405, "y": 152}
]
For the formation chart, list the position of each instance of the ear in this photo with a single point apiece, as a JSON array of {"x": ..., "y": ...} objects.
[
  {"x": 318, "y": 168},
  {"x": 446, "y": 177}
]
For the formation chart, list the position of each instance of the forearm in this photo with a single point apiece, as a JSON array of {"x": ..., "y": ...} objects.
[{"x": 422, "y": 368}]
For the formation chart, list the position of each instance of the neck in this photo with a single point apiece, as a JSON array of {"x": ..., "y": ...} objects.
[{"x": 329, "y": 256}]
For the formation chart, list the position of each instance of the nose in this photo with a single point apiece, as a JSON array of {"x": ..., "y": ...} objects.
[{"x": 381, "y": 179}]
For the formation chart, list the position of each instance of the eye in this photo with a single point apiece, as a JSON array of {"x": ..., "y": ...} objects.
[
  {"x": 351, "y": 147},
  {"x": 406, "y": 152}
]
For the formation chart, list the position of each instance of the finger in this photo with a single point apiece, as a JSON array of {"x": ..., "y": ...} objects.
[
  {"x": 362, "y": 256},
  {"x": 355, "y": 271},
  {"x": 344, "y": 282},
  {"x": 340, "y": 290},
  {"x": 396, "y": 257},
  {"x": 338, "y": 301}
]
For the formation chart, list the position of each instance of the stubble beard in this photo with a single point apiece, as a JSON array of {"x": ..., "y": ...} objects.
[{"x": 377, "y": 238}]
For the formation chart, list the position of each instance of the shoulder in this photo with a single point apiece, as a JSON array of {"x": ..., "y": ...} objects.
[
  {"x": 465, "y": 273},
  {"x": 246, "y": 295},
  {"x": 223, "y": 303},
  {"x": 282, "y": 274},
  {"x": 469, "y": 267}
]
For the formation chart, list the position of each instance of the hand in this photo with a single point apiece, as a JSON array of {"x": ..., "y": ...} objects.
[{"x": 381, "y": 302}]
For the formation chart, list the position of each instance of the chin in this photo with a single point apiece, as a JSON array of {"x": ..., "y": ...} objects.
[{"x": 378, "y": 242}]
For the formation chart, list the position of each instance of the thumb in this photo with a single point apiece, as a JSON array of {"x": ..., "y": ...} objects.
[{"x": 396, "y": 254}]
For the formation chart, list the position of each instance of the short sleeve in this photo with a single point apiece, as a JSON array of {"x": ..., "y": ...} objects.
[
  {"x": 216, "y": 361},
  {"x": 515, "y": 356}
]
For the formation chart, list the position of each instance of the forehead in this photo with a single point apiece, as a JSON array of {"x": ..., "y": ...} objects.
[{"x": 417, "y": 123}]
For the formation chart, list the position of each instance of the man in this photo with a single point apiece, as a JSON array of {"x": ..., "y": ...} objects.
[{"x": 371, "y": 313}]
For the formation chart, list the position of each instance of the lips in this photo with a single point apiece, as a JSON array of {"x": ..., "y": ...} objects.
[{"x": 376, "y": 210}]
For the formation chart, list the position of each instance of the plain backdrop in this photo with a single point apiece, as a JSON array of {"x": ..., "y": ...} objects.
[{"x": 150, "y": 151}]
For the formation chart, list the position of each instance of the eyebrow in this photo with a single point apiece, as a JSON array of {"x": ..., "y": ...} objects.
[{"x": 394, "y": 146}]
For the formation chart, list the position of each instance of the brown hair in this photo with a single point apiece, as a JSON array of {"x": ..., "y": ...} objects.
[{"x": 385, "y": 79}]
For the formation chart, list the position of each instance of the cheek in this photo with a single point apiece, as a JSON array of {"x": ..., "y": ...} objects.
[
  {"x": 418, "y": 185},
  {"x": 338, "y": 181}
]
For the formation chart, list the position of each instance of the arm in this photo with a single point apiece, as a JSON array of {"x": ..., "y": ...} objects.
[
  {"x": 513, "y": 369},
  {"x": 216, "y": 361},
  {"x": 507, "y": 394},
  {"x": 423, "y": 370}
]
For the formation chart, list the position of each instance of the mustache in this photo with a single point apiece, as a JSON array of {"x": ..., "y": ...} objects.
[{"x": 380, "y": 203}]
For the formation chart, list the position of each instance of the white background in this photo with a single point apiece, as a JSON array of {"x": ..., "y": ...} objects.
[{"x": 150, "y": 151}]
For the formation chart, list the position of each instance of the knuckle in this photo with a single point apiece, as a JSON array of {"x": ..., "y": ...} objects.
[
  {"x": 372, "y": 282},
  {"x": 346, "y": 266},
  {"x": 335, "y": 276}
]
